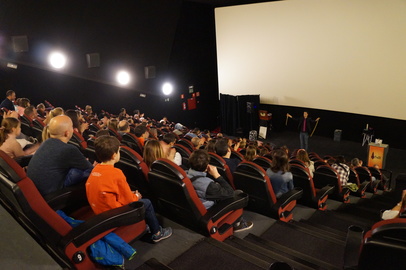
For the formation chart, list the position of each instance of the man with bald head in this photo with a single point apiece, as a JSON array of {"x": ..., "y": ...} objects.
[{"x": 55, "y": 158}]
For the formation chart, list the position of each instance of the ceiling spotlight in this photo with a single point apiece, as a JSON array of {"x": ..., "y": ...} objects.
[
  {"x": 57, "y": 60},
  {"x": 123, "y": 77},
  {"x": 167, "y": 88}
]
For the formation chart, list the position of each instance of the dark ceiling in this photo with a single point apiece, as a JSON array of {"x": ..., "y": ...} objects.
[{"x": 224, "y": 3}]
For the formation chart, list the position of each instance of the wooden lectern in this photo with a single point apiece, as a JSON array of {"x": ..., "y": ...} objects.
[{"x": 377, "y": 154}]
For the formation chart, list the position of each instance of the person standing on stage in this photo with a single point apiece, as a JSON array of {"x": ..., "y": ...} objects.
[{"x": 305, "y": 127}]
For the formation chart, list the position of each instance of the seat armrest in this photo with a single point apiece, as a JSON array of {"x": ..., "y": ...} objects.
[
  {"x": 345, "y": 191},
  {"x": 286, "y": 198},
  {"x": 364, "y": 185},
  {"x": 73, "y": 197},
  {"x": 353, "y": 244},
  {"x": 122, "y": 216},
  {"x": 325, "y": 191},
  {"x": 221, "y": 208}
]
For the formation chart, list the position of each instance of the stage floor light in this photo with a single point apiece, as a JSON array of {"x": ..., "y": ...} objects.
[{"x": 57, "y": 60}]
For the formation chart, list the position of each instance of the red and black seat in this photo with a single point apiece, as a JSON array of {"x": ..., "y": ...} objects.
[
  {"x": 132, "y": 141},
  {"x": 26, "y": 125},
  {"x": 316, "y": 198},
  {"x": 37, "y": 128},
  {"x": 78, "y": 140},
  {"x": 135, "y": 169},
  {"x": 237, "y": 155},
  {"x": 382, "y": 247},
  {"x": 362, "y": 187},
  {"x": 184, "y": 152},
  {"x": 178, "y": 200},
  {"x": 264, "y": 162},
  {"x": 253, "y": 180},
  {"x": 384, "y": 183},
  {"x": 66, "y": 245},
  {"x": 187, "y": 143},
  {"x": 325, "y": 175},
  {"x": 222, "y": 167},
  {"x": 365, "y": 175}
]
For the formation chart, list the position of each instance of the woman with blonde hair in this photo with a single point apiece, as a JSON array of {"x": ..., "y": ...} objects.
[
  {"x": 152, "y": 151},
  {"x": 10, "y": 129},
  {"x": 55, "y": 112},
  {"x": 304, "y": 157}
]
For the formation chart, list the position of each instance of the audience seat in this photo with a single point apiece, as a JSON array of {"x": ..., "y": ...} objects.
[
  {"x": 26, "y": 125},
  {"x": 297, "y": 161},
  {"x": 135, "y": 169},
  {"x": 325, "y": 175},
  {"x": 187, "y": 143},
  {"x": 264, "y": 162},
  {"x": 93, "y": 128},
  {"x": 253, "y": 180},
  {"x": 237, "y": 155},
  {"x": 365, "y": 175},
  {"x": 184, "y": 152},
  {"x": 362, "y": 187},
  {"x": 115, "y": 134},
  {"x": 377, "y": 173},
  {"x": 222, "y": 167},
  {"x": 311, "y": 197},
  {"x": 66, "y": 245},
  {"x": 132, "y": 141},
  {"x": 178, "y": 200},
  {"x": 318, "y": 163},
  {"x": 78, "y": 140},
  {"x": 382, "y": 247},
  {"x": 37, "y": 128}
]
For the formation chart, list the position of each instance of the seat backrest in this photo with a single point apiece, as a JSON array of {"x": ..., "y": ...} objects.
[
  {"x": 78, "y": 140},
  {"x": 252, "y": 179},
  {"x": 318, "y": 163},
  {"x": 184, "y": 152},
  {"x": 375, "y": 173},
  {"x": 297, "y": 161},
  {"x": 325, "y": 175},
  {"x": 174, "y": 192},
  {"x": 353, "y": 177},
  {"x": 132, "y": 141},
  {"x": 264, "y": 162},
  {"x": 385, "y": 240},
  {"x": 222, "y": 168},
  {"x": 363, "y": 174},
  {"x": 302, "y": 179},
  {"x": 135, "y": 169},
  {"x": 187, "y": 143},
  {"x": 26, "y": 125},
  {"x": 237, "y": 155},
  {"x": 115, "y": 134}
]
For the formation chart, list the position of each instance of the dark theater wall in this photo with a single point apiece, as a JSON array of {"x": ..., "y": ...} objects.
[{"x": 172, "y": 36}]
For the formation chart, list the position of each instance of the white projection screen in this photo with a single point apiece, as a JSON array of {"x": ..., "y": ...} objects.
[{"x": 338, "y": 55}]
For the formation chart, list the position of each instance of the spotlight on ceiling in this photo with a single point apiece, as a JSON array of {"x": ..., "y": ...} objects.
[
  {"x": 167, "y": 89},
  {"x": 57, "y": 60},
  {"x": 123, "y": 77}
]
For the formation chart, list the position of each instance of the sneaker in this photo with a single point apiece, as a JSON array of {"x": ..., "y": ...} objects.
[
  {"x": 243, "y": 226},
  {"x": 163, "y": 234}
]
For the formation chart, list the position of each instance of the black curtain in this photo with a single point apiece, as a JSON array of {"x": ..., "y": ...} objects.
[
  {"x": 229, "y": 114},
  {"x": 239, "y": 114},
  {"x": 248, "y": 106}
]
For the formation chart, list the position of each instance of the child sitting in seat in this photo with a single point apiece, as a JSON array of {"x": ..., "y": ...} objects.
[{"x": 107, "y": 187}]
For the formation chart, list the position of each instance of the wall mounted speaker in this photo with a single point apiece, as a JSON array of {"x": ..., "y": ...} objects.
[
  {"x": 93, "y": 60},
  {"x": 150, "y": 72},
  {"x": 20, "y": 43}
]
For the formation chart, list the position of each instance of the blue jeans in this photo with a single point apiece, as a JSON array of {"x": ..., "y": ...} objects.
[
  {"x": 304, "y": 140},
  {"x": 150, "y": 217},
  {"x": 76, "y": 176}
]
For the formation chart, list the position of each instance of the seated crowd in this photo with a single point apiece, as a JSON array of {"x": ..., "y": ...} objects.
[{"x": 57, "y": 160}]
